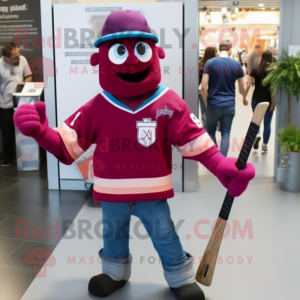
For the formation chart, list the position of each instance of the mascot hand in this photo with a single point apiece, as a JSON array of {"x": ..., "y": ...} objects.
[
  {"x": 31, "y": 120},
  {"x": 234, "y": 180}
]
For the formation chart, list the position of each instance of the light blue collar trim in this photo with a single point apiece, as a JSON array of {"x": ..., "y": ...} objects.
[
  {"x": 110, "y": 98},
  {"x": 125, "y": 34}
]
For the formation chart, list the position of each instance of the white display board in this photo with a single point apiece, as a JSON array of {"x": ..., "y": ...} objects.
[
  {"x": 294, "y": 49},
  {"x": 77, "y": 81}
]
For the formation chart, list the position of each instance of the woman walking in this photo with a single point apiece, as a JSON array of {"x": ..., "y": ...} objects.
[
  {"x": 262, "y": 94},
  {"x": 209, "y": 53}
]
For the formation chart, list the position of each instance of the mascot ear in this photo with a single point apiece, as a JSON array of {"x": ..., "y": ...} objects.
[
  {"x": 161, "y": 52},
  {"x": 94, "y": 60}
]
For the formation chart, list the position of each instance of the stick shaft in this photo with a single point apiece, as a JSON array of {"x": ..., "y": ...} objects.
[{"x": 208, "y": 263}]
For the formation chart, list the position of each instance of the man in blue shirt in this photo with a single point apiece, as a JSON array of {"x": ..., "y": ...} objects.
[{"x": 218, "y": 91}]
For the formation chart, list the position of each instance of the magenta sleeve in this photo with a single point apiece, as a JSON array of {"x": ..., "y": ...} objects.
[
  {"x": 53, "y": 143},
  {"x": 210, "y": 159}
]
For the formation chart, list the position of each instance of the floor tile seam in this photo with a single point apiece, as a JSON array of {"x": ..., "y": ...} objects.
[
  {"x": 13, "y": 209},
  {"x": 14, "y": 268},
  {"x": 10, "y": 187},
  {"x": 48, "y": 220},
  {"x": 4, "y": 219},
  {"x": 5, "y": 260},
  {"x": 28, "y": 240},
  {"x": 12, "y": 253},
  {"x": 42, "y": 242},
  {"x": 6, "y": 255},
  {"x": 45, "y": 221},
  {"x": 12, "y": 215},
  {"x": 10, "y": 238}
]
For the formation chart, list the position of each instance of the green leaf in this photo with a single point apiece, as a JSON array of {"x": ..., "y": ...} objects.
[
  {"x": 289, "y": 138},
  {"x": 285, "y": 73}
]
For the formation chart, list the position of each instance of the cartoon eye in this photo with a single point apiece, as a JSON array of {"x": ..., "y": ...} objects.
[
  {"x": 35, "y": 258},
  {"x": 118, "y": 54},
  {"x": 43, "y": 258},
  {"x": 143, "y": 51},
  {"x": 36, "y": 68}
]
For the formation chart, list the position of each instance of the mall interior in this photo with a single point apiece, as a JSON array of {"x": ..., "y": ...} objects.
[{"x": 51, "y": 225}]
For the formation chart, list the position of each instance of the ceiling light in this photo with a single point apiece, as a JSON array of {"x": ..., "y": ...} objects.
[
  {"x": 260, "y": 4},
  {"x": 233, "y": 14}
]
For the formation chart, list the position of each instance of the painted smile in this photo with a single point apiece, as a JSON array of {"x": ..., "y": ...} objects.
[{"x": 136, "y": 77}]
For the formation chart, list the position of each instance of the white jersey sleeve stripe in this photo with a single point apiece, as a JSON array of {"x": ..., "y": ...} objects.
[
  {"x": 197, "y": 146},
  {"x": 70, "y": 139}
]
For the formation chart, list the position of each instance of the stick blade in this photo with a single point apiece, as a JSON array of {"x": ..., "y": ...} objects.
[
  {"x": 260, "y": 112},
  {"x": 207, "y": 266}
]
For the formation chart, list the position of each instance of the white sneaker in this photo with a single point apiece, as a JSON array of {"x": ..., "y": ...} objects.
[{"x": 264, "y": 150}]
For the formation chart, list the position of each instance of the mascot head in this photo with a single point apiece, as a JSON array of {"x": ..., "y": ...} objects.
[{"x": 128, "y": 58}]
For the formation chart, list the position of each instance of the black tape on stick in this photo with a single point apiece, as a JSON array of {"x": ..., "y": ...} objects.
[{"x": 241, "y": 164}]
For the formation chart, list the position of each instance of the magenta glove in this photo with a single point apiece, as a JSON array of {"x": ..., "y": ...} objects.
[
  {"x": 234, "y": 180},
  {"x": 225, "y": 170},
  {"x": 31, "y": 120}
]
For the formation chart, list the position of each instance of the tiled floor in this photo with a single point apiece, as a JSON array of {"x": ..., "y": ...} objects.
[
  {"x": 27, "y": 210},
  {"x": 261, "y": 263}
]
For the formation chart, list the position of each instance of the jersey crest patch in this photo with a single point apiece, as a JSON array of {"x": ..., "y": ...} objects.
[{"x": 146, "y": 133}]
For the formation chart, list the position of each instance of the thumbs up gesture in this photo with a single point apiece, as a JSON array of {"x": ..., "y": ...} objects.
[{"x": 31, "y": 120}]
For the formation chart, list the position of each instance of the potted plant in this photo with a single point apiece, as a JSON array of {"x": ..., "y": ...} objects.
[
  {"x": 289, "y": 139},
  {"x": 285, "y": 73}
]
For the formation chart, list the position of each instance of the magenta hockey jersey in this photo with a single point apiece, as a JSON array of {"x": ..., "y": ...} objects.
[{"x": 133, "y": 157}]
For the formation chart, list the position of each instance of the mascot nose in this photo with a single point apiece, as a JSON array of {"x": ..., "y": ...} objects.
[{"x": 132, "y": 60}]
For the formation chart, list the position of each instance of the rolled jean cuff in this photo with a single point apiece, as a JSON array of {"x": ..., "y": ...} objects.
[
  {"x": 117, "y": 268},
  {"x": 113, "y": 260},
  {"x": 180, "y": 275}
]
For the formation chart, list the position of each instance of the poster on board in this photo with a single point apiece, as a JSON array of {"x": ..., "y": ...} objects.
[
  {"x": 77, "y": 81},
  {"x": 20, "y": 22}
]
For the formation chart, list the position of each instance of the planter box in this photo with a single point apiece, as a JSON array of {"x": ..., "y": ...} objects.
[{"x": 290, "y": 172}]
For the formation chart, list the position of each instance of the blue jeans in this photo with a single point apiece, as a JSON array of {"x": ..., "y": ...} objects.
[
  {"x": 225, "y": 116},
  {"x": 267, "y": 122},
  {"x": 156, "y": 218}
]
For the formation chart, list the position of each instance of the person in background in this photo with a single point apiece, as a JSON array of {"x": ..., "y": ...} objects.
[
  {"x": 242, "y": 55},
  {"x": 262, "y": 94},
  {"x": 218, "y": 91},
  {"x": 253, "y": 59},
  {"x": 14, "y": 69},
  {"x": 209, "y": 53}
]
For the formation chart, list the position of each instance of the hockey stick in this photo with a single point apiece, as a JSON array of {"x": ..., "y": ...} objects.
[{"x": 207, "y": 266}]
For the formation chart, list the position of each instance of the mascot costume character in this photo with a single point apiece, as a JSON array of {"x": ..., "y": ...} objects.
[{"x": 138, "y": 120}]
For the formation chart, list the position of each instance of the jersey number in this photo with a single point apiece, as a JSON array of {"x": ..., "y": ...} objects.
[
  {"x": 195, "y": 120},
  {"x": 78, "y": 114}
]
